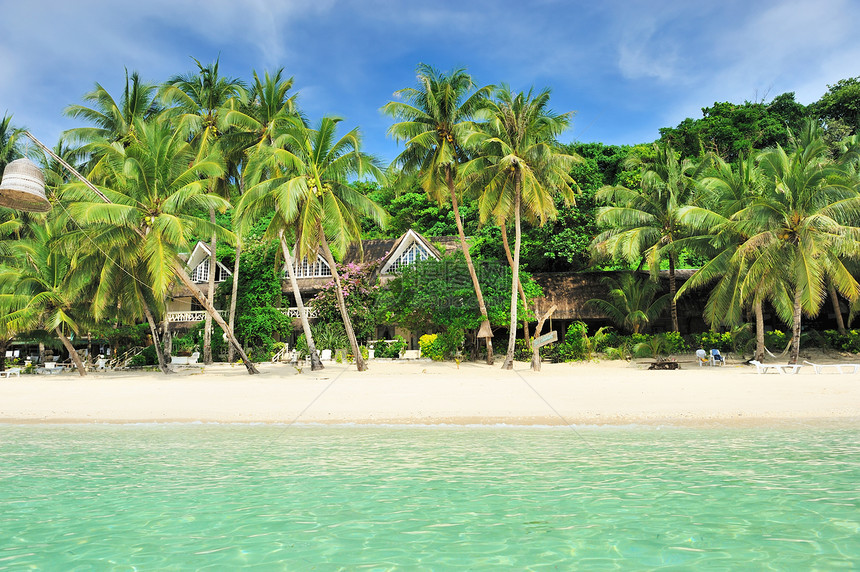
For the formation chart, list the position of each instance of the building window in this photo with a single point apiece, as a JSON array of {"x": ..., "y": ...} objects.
[
  {"x": 318, "y": 269},
  {"x": 201, "y": 273},
  {"x": 413, "y": 253}
]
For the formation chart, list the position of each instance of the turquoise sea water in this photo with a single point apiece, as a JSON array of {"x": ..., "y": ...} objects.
[{"x": 160, "y": 497}]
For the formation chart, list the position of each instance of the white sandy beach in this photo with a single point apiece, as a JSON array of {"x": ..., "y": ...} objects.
[{"x": 424, "y": 392}]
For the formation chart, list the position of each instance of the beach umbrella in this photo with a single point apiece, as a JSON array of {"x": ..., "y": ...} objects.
[{"x": 23, "y": 187}]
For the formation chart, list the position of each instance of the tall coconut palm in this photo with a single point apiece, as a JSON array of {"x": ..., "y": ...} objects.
[
  {"x": 521, "y": 170},
  {"x": 646, "y": 222},
  {"x": 433, "y": 120},
  {"x": 113, "y": 120},
  {"x": 713, "y": 223},
  {"x": 805, "y": 225},
  {"x": 198, "y": 102},
  {"x": 310, "y": 171},
  {"x": 156, "y": 186},
  {"x": 262, "y": 200},
  {"x": 268, "y": 107}
]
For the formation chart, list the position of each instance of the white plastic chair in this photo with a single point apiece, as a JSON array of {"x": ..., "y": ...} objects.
[{"x": 717, "y": 358}]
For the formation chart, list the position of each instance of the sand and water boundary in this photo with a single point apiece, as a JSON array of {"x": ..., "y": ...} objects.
[{"x": 428, "y": 393}]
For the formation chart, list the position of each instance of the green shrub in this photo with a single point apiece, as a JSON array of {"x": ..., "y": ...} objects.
[
  {"x": 451, "y": 341},
  {"x": 184, "y": 345},
  {"x": 390, "y": 349},
  {"x": 522, "y": 350},
  {"x": 850, "y": 342},
  {"x": 574, "y": 346},
  {"x": 431, "y": 347},
  {"x": 714, "y": 340},
  {"x": 675, "y": 343},
  {"x": 776, "y": 339},
  {"x": 329, "y": 335}
]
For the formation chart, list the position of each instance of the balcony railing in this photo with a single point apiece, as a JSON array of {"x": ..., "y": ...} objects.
[
  {"x": 294, "y": 312},
  {"x": 195, "y": 316},
  {"x": 200, "y": 315}
]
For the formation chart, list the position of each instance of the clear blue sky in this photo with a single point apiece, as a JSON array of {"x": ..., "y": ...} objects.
[{"x": 626, "y": 68}]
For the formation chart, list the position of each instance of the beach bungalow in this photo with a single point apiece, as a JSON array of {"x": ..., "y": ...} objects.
[
  {"x": 390, "y": 254},
  {"x": 183, "y": 310}
]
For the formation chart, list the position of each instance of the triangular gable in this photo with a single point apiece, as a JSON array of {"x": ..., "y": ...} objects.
[
  {"x": 408, "y": 249},
  {"x": 199, "y": 255}
]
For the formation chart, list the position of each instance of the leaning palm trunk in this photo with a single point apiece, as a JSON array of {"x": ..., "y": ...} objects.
[
  {"x": 519, "y": 283},
  {"x": 72, "y": 352},
  {"x": 341, "y": 304},
  {"x": 834, "y": 300},
  {"x": 512, "y": 334},
  {"x": 195, "y": 291},
  {"x": 153, "y": 331},
  {"x": 210, "y": 295},
  {"x": 759, "y": 331},
  {"x": 795, "y": 328},
  {"x": 233, "y": 294},
  {"x": 465, "y": 247},
  {"x": 316, "y": 363}
]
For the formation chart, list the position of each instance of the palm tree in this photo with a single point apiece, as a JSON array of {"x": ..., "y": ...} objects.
[
  {"x": 259, "y": 201},
  {"x": 646, "y": 222},
  {"x": 310, "y": 170},
  {"x": 434, "y": 120},
  {"x": 521, "y": 170},
  {"x": 253, "y": 123},
  {"x": 717, "y": 235},
  {"x": 42, "y": 289},
  {"x": 156, "y": 186},
  {"x": 198, "y": 102},
  {"x": 631, "y": 304},
  {"x": 113, "y": 121},
  {"x": 804, "y": 227},
  {"x": 8, "y": 142}
]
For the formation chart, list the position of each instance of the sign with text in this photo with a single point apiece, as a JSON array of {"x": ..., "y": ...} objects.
[{"x": 545, "y": 339}]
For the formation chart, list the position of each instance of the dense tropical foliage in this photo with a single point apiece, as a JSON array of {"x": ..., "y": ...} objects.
[{"x": 762, "y": 197}]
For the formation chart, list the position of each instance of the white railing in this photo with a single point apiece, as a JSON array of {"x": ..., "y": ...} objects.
[
  {"x": 294, "y": 312},
  {"x": 195, "y": 316}
]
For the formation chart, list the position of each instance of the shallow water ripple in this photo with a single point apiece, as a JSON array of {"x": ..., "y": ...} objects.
[{"x": 177, "y": 497}]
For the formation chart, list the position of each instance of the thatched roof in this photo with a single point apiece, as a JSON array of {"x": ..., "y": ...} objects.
[{"x": 570, "y": 291}]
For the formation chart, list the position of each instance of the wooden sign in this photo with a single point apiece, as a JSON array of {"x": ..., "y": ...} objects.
[{"x": 545, "y": 339}]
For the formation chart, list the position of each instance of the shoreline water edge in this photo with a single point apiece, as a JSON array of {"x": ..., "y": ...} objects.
[{"x": 430, "y": 393}]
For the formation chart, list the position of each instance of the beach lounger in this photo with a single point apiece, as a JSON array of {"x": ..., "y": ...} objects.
[
  {"x": 702, "y": 357},
  {"x": 780, "y": 368},
  {"x": 16, "y": 371},
  {"x": 839, "y": 367}
]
